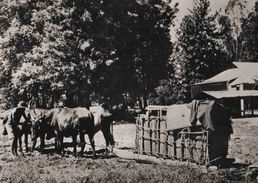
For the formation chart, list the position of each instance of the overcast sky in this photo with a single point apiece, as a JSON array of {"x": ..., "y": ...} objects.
[{"x": 185, "y": 5}]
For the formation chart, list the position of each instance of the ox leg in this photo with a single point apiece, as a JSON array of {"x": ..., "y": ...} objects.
[
  {"x": 74, "y": 137},
  {"x": 42, "y": 142},
  {"x": 60, "y": 141},
  {"x": 26, "y": 142},
  {"x": 108, "y": 138},
  {"x": 82, "y": 142},
  {"x": 92, "y": 142},
  {"x": 107, "y": 142},
  {"x": 34, "y": 141},
  {"x": 56, "y": 144},
  {"x": 62, "y": 145}
]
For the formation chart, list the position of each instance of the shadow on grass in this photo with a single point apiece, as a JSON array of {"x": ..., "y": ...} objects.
[
  {"x": 68, "y": 148},
  {"x": 238, "y": 172}
]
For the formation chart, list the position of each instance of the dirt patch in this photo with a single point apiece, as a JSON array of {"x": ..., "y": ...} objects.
[{"x": 243, "y": 144}]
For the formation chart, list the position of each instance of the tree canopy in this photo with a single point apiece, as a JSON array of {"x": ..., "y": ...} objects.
[{"x": 74, "y": 51}]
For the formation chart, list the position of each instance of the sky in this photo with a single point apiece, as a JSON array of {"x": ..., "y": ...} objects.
[{"x": 186, "y": 5}]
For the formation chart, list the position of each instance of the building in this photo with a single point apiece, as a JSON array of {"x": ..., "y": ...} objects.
[{"x": 236, "y": 87}]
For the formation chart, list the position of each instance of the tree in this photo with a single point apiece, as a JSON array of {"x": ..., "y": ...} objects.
[
  {"x": 228, "y": 42},
  {"x": 137, "y": 35},
  {"x": 52, "y": 36},
  {"x": 199, "y": 44},
  {"x": 249, "y": 36},
  {"x": 164, "y": 94},
  {"x": 236, "y": 11}
]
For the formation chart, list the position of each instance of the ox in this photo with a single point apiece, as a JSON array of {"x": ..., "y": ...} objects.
[
  {"x": 102, "y": 122},
  {"x": 65, "y": 122}
]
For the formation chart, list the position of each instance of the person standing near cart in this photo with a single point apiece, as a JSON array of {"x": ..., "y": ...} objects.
[{"x": 13, "y": 130}]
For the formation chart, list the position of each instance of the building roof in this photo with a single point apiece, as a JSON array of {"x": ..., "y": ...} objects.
[
  {"x": 232, "y": 94},
  {"x": 227, "y": 75},
  {"x": 157, "y": 107},
  {"x": 245, "y": 72}
]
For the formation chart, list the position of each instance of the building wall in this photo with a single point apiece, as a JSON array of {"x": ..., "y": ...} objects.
[
  {"x": 198, "y": 88},
  {"x": 238, "y": 106},
  {"x": 244, "y": 86},
  {"x": 248, "y": 86}
]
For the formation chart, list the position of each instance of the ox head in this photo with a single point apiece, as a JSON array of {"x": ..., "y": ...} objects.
[
  {"x": 40, "y": 126},
  {"x": 37, "y": 128}
]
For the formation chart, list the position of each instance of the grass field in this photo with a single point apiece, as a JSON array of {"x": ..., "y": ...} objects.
[{"x": 53, "y": 168}]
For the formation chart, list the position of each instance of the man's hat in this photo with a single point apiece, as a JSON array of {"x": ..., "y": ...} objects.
[{"x": 22, "y": 104}]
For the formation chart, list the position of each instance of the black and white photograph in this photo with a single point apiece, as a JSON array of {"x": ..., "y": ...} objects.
[{"x": 128, "y": 91}]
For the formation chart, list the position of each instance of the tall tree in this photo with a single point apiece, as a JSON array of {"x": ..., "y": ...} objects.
[
  {"x": 199, "y": 43},
  {"x": 138, "y": 37},
  {"x": 236, "y": 11},
  {"x": 249, "y": 36}
]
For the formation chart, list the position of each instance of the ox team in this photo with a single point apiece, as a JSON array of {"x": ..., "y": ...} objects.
[{"x": 58, "y": 123}]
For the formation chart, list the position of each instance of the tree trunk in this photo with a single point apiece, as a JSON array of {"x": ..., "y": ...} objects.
[
  {"x": 140, "y": 104},
  {"x": 43, "y": 100},
  {"x": 144, "y": 100}
]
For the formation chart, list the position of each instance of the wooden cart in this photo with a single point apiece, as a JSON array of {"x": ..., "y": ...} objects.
[{"x": 165, "y": 131}]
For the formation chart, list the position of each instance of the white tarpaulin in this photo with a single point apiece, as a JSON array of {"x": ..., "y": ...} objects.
[{"x": 178, "y": 116}]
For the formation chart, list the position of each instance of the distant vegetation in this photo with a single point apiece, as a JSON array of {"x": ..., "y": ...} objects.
[{"x": 119, "y": 52}]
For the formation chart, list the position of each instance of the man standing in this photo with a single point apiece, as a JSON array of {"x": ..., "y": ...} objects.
[{"x": 14, "y": 132}]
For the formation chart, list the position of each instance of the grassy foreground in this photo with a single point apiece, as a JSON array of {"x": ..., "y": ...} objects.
[{"x": 54, "y": 168}]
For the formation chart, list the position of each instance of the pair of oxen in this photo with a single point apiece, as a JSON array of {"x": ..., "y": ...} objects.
[{"x": 68, "y": 122}]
